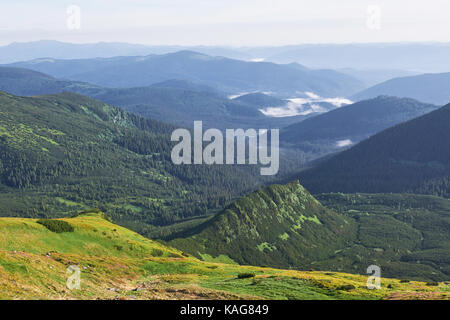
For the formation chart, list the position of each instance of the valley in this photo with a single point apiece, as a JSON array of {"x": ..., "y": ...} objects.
[{"x": 63, "y": 153}]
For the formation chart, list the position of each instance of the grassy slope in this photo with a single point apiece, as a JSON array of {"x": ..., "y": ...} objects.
[{"x": 117, "y": 263}]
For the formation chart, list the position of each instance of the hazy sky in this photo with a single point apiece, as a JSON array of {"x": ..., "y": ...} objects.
[{"x": 227, "y": 22}]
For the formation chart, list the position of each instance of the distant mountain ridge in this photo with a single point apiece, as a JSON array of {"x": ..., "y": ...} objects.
[
  {"x": 430, "y": 88},
  {"x": 21, "y": 51},
  {"x": 173, "y": 101},
  {"x": 407, "y": 56},
  {"x": 404, "y": 57},
  {"x": 225, "y": 74}
]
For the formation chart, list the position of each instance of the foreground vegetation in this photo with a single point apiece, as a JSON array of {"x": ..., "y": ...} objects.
[{"x": 117, "y": 263}]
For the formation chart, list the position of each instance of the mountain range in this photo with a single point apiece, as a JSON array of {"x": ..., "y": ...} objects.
[
  {"x": 260, "y": 100},
  {"x": 225, "y": 74},
  {"x": 363, "y": 56},
  {"x": 367, "y": 60},
  {"x": 21, "y": 51},
  {"x": 179, "y": 102}
]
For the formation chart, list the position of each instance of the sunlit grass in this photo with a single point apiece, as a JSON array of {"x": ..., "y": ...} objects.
[{"x": 118, "y": 263}]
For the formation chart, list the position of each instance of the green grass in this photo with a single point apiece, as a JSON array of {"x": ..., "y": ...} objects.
[
  {"x": 279, "y": 288},
  {"x": 219, "y": 259},
  {"x": 33, "y": 263}
]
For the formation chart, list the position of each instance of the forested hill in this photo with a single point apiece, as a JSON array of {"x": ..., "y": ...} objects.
[
  {"x": 355, "y": 122},
  {"x": 278, "y": 226},
  {"x": 63, "y": 153},
  {"x": 260, "y": 100},
  {"x": 411, "y": 157},
  {"x": 27, "y": 82}
]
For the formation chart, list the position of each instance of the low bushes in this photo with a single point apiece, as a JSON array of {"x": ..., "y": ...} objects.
[
  {"x": 246, "y": 275},
  {"x": 346, "y": 287},
  {"x": 57, "y": 226},
  {"x": 157, "y": 252}
]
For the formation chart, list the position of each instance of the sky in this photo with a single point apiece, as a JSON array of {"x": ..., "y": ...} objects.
[{"x": 225, "y": 22}]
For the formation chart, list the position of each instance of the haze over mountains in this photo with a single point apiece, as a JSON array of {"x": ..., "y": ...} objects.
[
  {"x": 365, "y": 56},
  {"x": 21, "y": 51},
  {"x": 173, "y": 101},
  {"x": 396, "y": 57},
  {"x": 371, "y": 77},
  {"x": 351, "y": 124},
  {"x": 431, "y": 88},
  {"x": 181, "y": 102},
  {"x": 225, "y": 74}
]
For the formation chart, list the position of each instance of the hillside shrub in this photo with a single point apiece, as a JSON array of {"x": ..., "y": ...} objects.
[
  {"x": 434, "y": 284},
  {"x": 346, "y": 287},
  {"x": 157, "y": 252},
  {"x": 246, "y": 275},
  {"x": 57, "y": 226}
]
